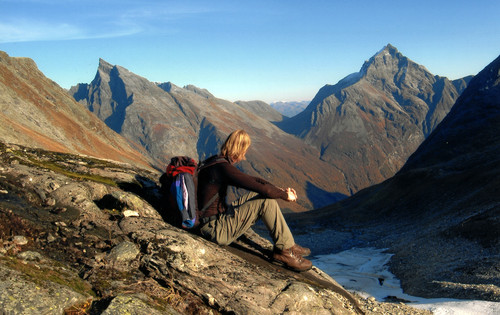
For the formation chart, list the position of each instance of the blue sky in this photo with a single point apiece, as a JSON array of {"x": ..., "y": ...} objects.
[{"x": 247, "y": 50}]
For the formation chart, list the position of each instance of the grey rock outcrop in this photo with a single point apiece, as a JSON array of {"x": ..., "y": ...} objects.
[
  {"x": 20, "y": 293},
  {"x": 100, "y": 261},
  {"x": 130, "y": 304}
]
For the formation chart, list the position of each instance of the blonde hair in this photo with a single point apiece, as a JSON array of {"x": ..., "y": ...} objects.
[{"x": 236, "y": 145}]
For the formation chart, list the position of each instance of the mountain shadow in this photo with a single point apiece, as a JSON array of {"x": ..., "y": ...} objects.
[
  {"x": 119, "y": 101},
  {"x": 320, "y": 198},
  {"x": 208, "y": 141}
]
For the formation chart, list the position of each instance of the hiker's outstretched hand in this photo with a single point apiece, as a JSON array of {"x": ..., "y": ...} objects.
[{"x": 292, "y": 194}]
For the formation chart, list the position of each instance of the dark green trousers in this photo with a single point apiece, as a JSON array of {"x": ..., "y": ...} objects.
[{"x": 242, "y": 214}]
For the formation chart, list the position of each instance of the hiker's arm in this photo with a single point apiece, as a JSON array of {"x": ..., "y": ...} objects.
[{"x": 237, "y": 178}]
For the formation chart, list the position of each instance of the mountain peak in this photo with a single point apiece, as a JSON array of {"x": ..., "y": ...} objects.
[
  {"x": 104, "y": 65},
  {"x": 388, "y": 57},
  {"x": 388, "y": 50},
  {"x": 391, "y": 49}
]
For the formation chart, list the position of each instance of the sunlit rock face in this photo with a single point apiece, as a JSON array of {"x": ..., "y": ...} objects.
[{"x": 369, "y": 123}]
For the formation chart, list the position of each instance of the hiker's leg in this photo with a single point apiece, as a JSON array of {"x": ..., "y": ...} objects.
[
  {"x": 240, "y": 216},
  {"x": 273, "y": 218},
  {"x": 231, "y": 225},
  {"x": 247, "y": 210}
]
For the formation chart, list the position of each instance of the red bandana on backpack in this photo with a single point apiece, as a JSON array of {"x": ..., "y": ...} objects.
[{"x": 173, "y": 170}]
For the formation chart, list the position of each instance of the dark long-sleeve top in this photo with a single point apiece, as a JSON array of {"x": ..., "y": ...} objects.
[{"x": 216, "y": 178}]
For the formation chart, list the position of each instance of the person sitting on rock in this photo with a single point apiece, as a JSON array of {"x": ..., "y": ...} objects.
[{"x": 224, "y": 223}]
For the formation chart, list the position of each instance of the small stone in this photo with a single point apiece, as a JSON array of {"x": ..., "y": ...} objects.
[
  {"x": 30, "y": 256},
  {"x": 99, "y": 256},
  {"x": 54, "y": 185},
  {"x": 50, "y": 202},
  {"x": 100, "y": 245},
  {"x": 130, "y": 213},
  {"x": 124, "y": 251},
  {"x": 51, "y": 238},
  {"x": 211, "y": 299},
  {"x": 58, "y": 210},
  {"x": 3, "y": 191},
  {"x": 20, "y": 240}
]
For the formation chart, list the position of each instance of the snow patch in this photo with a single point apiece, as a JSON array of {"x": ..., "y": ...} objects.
[{"x": 365, "y": 271}]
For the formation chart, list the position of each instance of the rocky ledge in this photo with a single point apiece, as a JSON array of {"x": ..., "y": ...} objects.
[{"x": 83, "y": 236}]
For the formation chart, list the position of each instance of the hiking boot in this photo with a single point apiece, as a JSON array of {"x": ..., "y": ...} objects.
[
  {"x": 302, "y": 251},
  {"x": 299, "y": 250},
  {"x": 291, "y": 259}
]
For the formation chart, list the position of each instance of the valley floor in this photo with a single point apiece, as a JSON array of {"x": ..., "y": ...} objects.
[{"x": 365, "y": 271}]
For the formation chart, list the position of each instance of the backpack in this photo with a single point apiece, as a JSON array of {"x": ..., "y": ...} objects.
[{"x": 179, "y": 186}]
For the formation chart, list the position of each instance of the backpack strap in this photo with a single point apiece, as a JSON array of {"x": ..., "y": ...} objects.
[
  {"x": 204, "y": 164},
  {"x": 210, "y": 202}
]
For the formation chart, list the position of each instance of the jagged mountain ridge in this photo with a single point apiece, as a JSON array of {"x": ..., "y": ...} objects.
[
  {"x": 369, "y": 123},
  {"x": 36, "y": 112},
  {"x": 168, "y": 120},
  {"x": 440, "y": 214}
]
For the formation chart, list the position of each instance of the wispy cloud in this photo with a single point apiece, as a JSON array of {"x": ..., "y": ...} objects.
[
  {"x": 26, "y": 30},
  {"x": 42, "y": 20}
]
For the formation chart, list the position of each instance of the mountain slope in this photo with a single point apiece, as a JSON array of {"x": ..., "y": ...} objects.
[
  {"x": 261, "y": 109},
  {"x": 168, "y": 120},
  {"x": 440, "y": 214},
  {"x": 369, "y": 123},
  {"x": 36, "y": 112}
]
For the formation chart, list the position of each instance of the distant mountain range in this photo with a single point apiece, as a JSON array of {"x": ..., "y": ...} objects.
[
  {"x": 354, "y": 134},
  {"x": 291, "y": 108},
  {"x": 364, "y": 127},
  {"x": 369, "y": 123}
]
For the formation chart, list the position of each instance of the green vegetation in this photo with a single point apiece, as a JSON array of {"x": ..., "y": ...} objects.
[
  {"x": 56, "y": 162},
  {"x": 56, "y": 274},
  {"x": 79, "y": 176}
]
